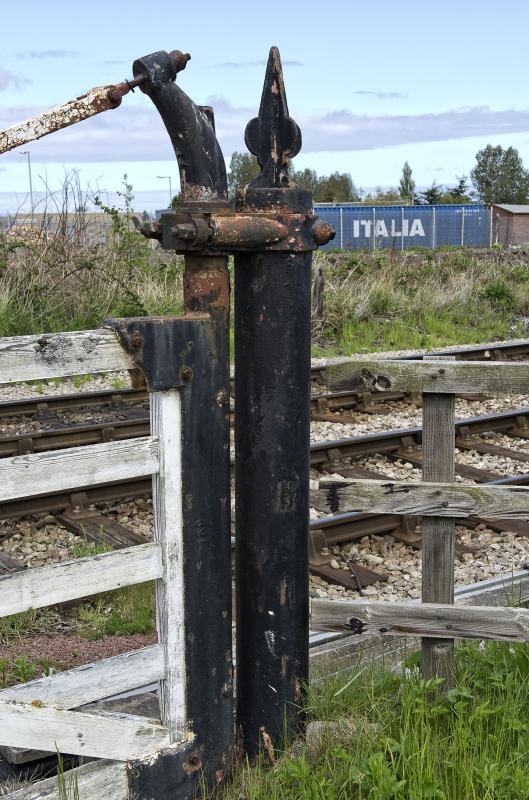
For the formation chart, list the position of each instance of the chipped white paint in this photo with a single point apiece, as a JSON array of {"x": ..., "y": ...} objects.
[
  {"x": 87, "y": 105},
  {"x": 58, "y": 355},
  {"x": 58, "y": 583},
  {"x": 103, "y": 779},
  {"x": 166, "y": 424},
  {"x": 91, "y": 682},
  {"x": 59, "y": 470},
  {"x": 103, "y": 735}
]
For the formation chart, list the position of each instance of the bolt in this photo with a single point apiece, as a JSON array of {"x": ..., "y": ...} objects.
[
  {"x": 186, "y": 373},
  {"x": 180, "y": 59},
  {"x": 136, "y": 340}
]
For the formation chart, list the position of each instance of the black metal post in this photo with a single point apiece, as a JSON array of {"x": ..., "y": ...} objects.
[
  {"x": 206, "y": 436},
  {"x": 272, "y": 379}
]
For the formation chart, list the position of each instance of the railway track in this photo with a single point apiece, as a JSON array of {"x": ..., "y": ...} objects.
[{"x": 78, "y": 513}]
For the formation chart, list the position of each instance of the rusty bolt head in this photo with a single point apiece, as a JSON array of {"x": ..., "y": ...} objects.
[
  {"x": 180, "y": 59},
  {"x": 322, "y": 232},
  {"x": 186, "y": 373},
  {"x": 136, "y": 340}
]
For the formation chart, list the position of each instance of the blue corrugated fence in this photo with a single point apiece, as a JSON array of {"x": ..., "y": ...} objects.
[{"x": 400, "y": 227}]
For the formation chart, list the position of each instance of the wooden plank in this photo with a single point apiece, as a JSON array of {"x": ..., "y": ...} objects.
[
  {"x": 166, "y": 424},
  {"x": 438, "y": 533},
  {"x": 423, "y": 499},
  {"x": 55, "y": 471},
  {"x": 429, "y": 375},
  {"x": 439, "y": 620},
  {"x": 76, "y": 687},
  {"x": 103, "y": 779},
  {"x": 103, "y": 735},
  {"x": 68, "y": 580},
  {"x": 58, "y": 355}
]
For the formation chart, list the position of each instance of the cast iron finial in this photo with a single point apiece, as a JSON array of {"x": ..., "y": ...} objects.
[{"x": 273, "y": 137}]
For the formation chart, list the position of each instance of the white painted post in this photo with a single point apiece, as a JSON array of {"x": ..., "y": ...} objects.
[
  {"x": 166, "y": 424},
  {"x": 374, "y": 223},
  {"x": 402, "y": 228},
  {"x": 434, "y": 231},
  {"x": 341, "y": 228}
]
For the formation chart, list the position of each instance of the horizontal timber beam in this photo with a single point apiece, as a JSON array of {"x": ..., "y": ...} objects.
[
  {"x": 91, "y": 682},
  {"x": 103, "y": 735},
  {"x": 59, "y": 355},
  {"x": 71, "y": 468},
  {"x": 68, "y": 580},
  {"x": 420, "y": 498},
  {"x": 447, "y": 377},
  {"x": 421, "y": 619},
  {"x": 101, "y": 779}
]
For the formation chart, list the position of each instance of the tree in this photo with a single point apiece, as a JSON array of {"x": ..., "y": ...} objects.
[
  {"x": 243, "y": 169},
  {"x": 335, "y": 188},
  {"x": 306, "y": 179},
  {"x": 500, "y": 176},
  {"x": 460, "y": 191},
  {"x": 430, "y": 196},
  {"x": 406, "y": 183}
]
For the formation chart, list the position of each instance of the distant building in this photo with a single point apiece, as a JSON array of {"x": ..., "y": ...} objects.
[{"x": 510, "y": 224}]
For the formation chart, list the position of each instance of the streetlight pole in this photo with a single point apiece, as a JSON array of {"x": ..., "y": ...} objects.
[
  {"x": 27, "y": 153},
  {"x": 168, "y": 177}
]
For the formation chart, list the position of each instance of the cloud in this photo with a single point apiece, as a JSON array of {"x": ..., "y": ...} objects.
[
  {"x": 245, "y": 64},
  {"x": 135, "y": 132},
  {"x": 39, "y": 54},
  {"x": 380, "y": 95},
  {"x": 10, "y": 81}
]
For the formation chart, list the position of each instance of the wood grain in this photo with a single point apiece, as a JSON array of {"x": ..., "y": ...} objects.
[
  {"x": 103, "y": 735},
  {"x": 428, "y": 375},
  {"x": 166, "y": 424},
  {"x": 416, "y": 498},
  {"x": 58, "y": 355},
  {"x": 60, "y": 470},
  {"x": 68, "y": 580},
  {"x": 422, "y": 619},
  {"x": 91, "y": 682},
  {"x": 96, "y": 781},
  {"x": 438, "y": 533}
]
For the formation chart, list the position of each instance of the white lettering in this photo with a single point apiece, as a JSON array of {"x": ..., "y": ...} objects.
[
  {"x": 394, "y": 231},
  {"x": 367, "y": 227},
  {"x": 380, "y": 228},
  {"x": 417, "y": 228},
  {"x": 356, "y": 228}
]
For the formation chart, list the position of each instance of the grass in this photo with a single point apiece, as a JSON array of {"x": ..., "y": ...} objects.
[
  {"x": 390, "y": 300},
  {"x": 122, "y": 612},
  {"x": 471, "y": 743}
]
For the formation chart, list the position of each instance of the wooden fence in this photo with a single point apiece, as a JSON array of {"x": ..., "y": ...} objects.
[
  {"x": 44, "y": 714},
  {"x": 438, "y": 500}
]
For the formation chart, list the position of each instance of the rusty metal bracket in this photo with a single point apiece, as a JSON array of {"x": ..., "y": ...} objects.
[
  {"x": 232, "y": 232},
  {"x": 161, "y": 347}
]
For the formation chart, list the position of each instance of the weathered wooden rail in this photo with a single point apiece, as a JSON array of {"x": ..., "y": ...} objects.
[{"x": 438, "y": 500}]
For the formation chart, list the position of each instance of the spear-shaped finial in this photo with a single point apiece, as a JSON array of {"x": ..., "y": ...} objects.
[{"x": 273, "y": 137}]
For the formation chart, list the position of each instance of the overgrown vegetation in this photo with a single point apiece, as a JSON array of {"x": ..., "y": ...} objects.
[
  {"x": 71, "y": 278},
  {"x": 387, "y": 299},
  {"x": 398, "y": 738}
]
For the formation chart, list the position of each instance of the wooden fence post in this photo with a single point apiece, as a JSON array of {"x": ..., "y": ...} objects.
[{"x": 438, "y": 443}]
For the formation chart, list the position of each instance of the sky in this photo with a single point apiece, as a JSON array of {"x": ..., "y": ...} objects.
[{"x": 370, "y": 84}]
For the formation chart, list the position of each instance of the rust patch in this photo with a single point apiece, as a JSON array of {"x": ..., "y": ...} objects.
[
  {"x": 192, "y": 764},
  {"x": 268, "y": 746},
  {"x": 283, "y": 592}
]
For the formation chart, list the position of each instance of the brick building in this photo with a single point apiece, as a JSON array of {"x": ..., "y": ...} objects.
[{"x": 510, "y": 224}]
